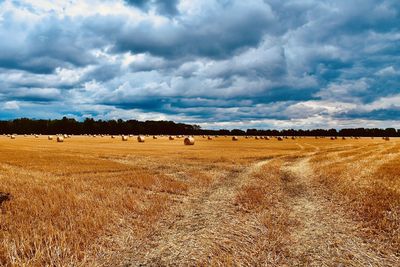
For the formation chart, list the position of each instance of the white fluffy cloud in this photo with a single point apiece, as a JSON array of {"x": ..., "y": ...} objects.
[{"x": 11, "y": 105}]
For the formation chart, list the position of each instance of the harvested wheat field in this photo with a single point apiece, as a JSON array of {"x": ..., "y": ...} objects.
[{"x": 104, "y": 202}]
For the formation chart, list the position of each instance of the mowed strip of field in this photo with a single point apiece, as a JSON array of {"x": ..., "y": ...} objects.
[{"x": 104, "y": 202}]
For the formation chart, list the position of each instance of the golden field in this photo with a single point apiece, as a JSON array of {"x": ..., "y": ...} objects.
[{"x": 103, "y": 202}]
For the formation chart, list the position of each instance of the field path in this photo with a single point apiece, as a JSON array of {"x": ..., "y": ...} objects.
[
  {"x": 203, "y": 227},
  {"x": 325, "y": 235}
]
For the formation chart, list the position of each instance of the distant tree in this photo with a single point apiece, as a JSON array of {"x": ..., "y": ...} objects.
[
  {"x": 238, "y": 132},
  {"x": 91, "y": 126}
]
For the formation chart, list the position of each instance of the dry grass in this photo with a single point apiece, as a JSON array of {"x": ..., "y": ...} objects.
[
  {"x": 102, "y": 202},
  {"x": 366, "y": 182}
]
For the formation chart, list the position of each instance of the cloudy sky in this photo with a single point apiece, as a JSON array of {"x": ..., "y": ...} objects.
[{"x": 217, "y": 63}]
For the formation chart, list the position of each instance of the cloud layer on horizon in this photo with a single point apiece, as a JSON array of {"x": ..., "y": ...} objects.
[{"x": 220, "y": 63}]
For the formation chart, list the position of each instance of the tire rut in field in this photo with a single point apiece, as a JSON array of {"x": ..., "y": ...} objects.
[
  {"x": 325, "y": 235},
  {"x": 202, "y": 228}
]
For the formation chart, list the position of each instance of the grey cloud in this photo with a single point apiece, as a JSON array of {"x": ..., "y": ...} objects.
[
  {"x": 242, "y": 26},
  {"x": 42, "y": 95},
  {"x": 214, "y": 61},
  {"x": 103, "y": 73},
  {"x": 164, "y": 7},
  {"x": 43, "y": 47}
]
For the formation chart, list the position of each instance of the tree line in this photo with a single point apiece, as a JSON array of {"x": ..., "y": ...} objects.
[{"x": 91, "y": 126}]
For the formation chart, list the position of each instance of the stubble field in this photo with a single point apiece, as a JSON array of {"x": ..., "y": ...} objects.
[{"x": 103, "y": 202}]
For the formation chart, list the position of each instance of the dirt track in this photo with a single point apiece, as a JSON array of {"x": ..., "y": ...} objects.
[
  {"x": 201, "y": 225},
  {"x": 323, "y": 233}
]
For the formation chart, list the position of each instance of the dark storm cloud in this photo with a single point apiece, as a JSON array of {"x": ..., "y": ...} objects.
[
  {"x": 35, "y": 95},
  {"x": 217, "y": 34},
  {"x": 166, "y": 7},
  {"x": 103, "y": 73},
  {"x": 41, "y": 48},
  {"x": 378, "y": 114}
]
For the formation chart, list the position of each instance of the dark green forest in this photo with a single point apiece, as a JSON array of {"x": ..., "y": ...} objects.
[{"x": 91, "y": 126}]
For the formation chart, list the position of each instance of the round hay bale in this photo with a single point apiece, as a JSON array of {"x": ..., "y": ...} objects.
[
  {"x": 12, "y": 136},
  {"x": 112, "y": 136},
  {"x": 50, "y": 137},
  {"x": 140, "y": 139},
  {"x": 189, "y": 141},
  {"x": 209, "y": 138},
  {"x": 171, "y": 138},
  {"x": 343, "y": 138},
  {"x": 266, "y": 138},
  {"x": 124, "y": 138},
  {"x": 36, "y": 136},
  {"x": 280, "y": 138},
  {"x": 387, "y": 139},
  {"x": 154, "y": 137},
  {"x": 235, "y": 138},
  {"x": 60, "y": 139}
]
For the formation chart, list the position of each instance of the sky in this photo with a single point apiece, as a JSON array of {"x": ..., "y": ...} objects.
[{"x": 216, "y": 63}]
